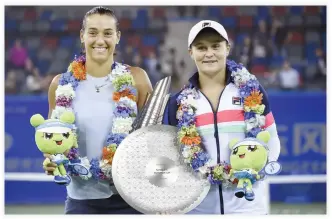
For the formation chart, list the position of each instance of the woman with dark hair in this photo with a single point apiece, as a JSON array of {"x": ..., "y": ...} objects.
[{"x": 105, "y": 97}]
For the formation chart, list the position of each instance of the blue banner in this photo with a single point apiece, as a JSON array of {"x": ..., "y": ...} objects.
[{"x": 300, "y": 118}]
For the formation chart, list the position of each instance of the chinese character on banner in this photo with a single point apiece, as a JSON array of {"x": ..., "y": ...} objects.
[{"x": 309, "y": 137}]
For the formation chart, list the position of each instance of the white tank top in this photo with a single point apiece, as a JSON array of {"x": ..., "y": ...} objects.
[{"x": 94, "y": 116}]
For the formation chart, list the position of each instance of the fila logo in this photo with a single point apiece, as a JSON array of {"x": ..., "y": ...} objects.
[
  {"x": 206, "y": 24},
  {"x": 236, "y": 101}
]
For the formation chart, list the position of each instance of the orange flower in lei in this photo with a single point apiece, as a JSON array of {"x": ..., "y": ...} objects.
[
  {"x": 124, "y": 93},
  {"x": 254, "y": 99},
  {"x": 188, "y": 140},
  {"x": 108, "y": 155},
  {"x": 78, "y": 69}
]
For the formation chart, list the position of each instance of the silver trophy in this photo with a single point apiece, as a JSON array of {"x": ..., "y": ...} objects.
[{"x": 148, "y": 169}]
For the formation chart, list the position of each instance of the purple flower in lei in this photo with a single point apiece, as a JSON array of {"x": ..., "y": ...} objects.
[
  {"x": 253, "y": 84},
  {"x": 244, "y": 91},
  {"x": 213, "y": 181},
  {"x": 63, "y": 101},
  {"x": 95, "y": 170},
  {"x": 115, "y": 138},
  {"x": 199, "y": 160},
  {"x": 232, "y": 66},
  {"x": 67, "y": 78},
  {"x": 186, "y": 120},
  {"x": 122, "y": 111},
  {"x": 253, "y": 132},
  {"x": 131, "y": 89},
  {"x": 249, "y": 115},
  {"x": 73, "y": 154}
]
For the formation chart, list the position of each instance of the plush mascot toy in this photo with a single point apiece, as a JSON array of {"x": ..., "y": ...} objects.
[
  {"x": 55, "y": 137},
  {"x": 248, "y": 158}
]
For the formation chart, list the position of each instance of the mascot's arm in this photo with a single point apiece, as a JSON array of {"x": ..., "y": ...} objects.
[
  {"x": 231, "y": 172},
  {"x": 270, "y": 126}
]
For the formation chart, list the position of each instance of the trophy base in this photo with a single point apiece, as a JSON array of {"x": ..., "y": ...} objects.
[{"x": 149, "y": 174}]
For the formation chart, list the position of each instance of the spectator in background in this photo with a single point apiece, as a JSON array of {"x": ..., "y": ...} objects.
[
  {"x": 321, "y": 63},
  {"x": 280, "y": 37},
  {"x": 289, "y": 77},
  {"x": 18, "y": 55},
  {"x": 137, "y": 60},
  {"x": 261, "y": 41},
  {"x": 244, "y": 52},
  {"x": 11, "y": 83},
  {"x": 151, "y": 66},
  {"x": 33, "y": 78},
  {"x": 128, "y": 54}
]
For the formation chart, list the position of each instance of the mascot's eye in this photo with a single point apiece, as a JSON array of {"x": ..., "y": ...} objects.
[
  {"x": 48, "y": 135},
  {"x": 235, "y": 151},
  {"x": 252, "y": 148},
  {"x": 66, "y": 135}
]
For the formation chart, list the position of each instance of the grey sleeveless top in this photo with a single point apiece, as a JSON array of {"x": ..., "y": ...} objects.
[{"x": 94, "y": 115}]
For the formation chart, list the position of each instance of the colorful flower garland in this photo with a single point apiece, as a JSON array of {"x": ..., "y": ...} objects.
[
  {"x": 188, "y": 136},
  {"x": 125, "y": 112}
]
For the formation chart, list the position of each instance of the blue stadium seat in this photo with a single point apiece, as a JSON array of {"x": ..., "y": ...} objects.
[
  {"x": 58, "y": 25},
  {"x": 296, "y": 10},
  {"x": 276, "y": 61},
  {"x": 150, "y": 40},
  {"x": 46, "y": 15},
  {"x": 324, "y": 41},
  {"x": 263, "y": 11},
  {"x": 142, "y": 14},
  {"x": 311, "y": 52},
  {"x": 43, "y": 66},
  {"x": 261, "y": 17},
  {"x": 139, "y": 23},
  {"x": 240, "y": 38},
  {"x": 67, "y": 41},
  {"x": 229, "y": 22},
  {"x": 33, "y": 55},
  {"x": 260, "y": 61},
  {"x": 323, "y": 15},
  {"x": 10, "y": 24},
  {"x": 214, "y": 12},
  {"x": 300, "y": 68}
]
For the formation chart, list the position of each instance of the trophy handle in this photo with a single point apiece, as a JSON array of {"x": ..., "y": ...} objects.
[{"x": 155, "y": 105}]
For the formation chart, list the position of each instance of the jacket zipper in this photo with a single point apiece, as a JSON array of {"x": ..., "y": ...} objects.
[{"x": 216, "y": 136}]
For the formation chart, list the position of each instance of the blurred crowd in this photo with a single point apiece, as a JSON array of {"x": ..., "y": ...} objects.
[{"x": 285, "y": 47}]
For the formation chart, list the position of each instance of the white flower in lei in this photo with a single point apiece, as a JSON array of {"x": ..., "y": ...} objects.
[
  {"x": 241, "y": 76},
  {"x": 107, "y": 169},
  {"x": 256, "y": 121},
  {"x": 127, "y": 102},
  {"x": 65, "y": 90},
  {"x": 122, "y": 125},
  {"x": 58, "y": 111}
]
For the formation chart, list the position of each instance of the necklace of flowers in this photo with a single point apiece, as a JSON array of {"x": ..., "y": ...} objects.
[
  {"x": 124, "y": 112},
  {"x": 193, "y": 153}
]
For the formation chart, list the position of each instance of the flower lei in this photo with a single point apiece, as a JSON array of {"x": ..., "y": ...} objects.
[
  {"x": 125, "y": 112},
  {"x": 188, "y": 136}
]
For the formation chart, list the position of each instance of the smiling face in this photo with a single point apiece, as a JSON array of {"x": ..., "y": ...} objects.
[
  {"x": 248, "y": 157},
  {"x": 54, "y": 136},
  {"x": 100, "y": 36},
  {"x": 209, "y": 52},
  {"x": 53, "y": 143}
]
